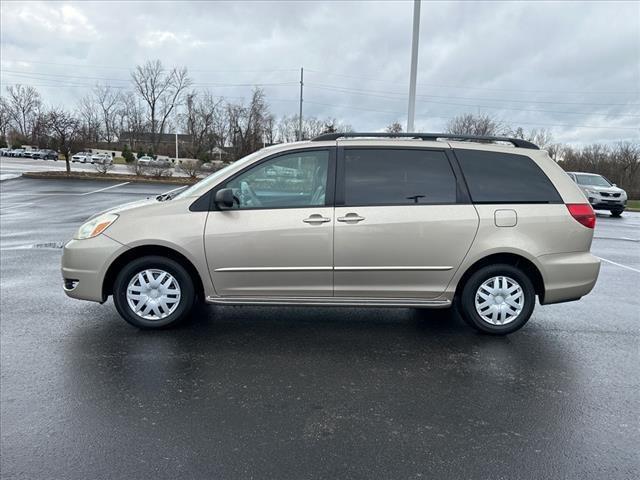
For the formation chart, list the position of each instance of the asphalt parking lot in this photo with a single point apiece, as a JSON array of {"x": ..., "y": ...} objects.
[{"x": 269, "y": 392}]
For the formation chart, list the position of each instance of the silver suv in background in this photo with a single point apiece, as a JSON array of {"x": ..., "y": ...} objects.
[
  {"x": 601, "y": 193},
  {"x": 396, "y": 220}
]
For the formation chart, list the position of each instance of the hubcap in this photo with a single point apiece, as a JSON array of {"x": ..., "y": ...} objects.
[
  {"x": 499, "y": 300},
  {"x": 153, "y": 294}
]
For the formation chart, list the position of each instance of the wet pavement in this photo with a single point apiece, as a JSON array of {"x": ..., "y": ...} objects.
[{"x": 293, "y": 393}]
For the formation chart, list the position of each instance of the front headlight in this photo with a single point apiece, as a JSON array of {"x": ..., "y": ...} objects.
[
  {"x": 95, "y": 226},
  {"x": 592, "y": 192}
]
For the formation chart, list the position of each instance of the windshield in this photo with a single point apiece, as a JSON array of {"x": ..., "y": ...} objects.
[
  {"x": 209, "y": 182},
  {"x": 594, "y": 180}
]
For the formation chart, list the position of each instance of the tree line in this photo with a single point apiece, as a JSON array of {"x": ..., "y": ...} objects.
[
  {"x": 143, "y": 118},
  {"x": 161, "y": 100}
]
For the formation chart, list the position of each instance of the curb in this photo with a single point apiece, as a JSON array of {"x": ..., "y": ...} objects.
[{"x": 55, "y": 175}]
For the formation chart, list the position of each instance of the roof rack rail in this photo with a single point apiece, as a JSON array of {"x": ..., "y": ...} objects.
[{"x": 516, "y": 142}]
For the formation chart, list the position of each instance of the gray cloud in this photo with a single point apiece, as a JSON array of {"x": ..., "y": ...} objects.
[{"x": 571, "y": 67}]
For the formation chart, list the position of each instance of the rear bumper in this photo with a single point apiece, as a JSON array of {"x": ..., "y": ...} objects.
[
  {"x": 568, "y": 276},
  {"x": 84, "y": 265}
]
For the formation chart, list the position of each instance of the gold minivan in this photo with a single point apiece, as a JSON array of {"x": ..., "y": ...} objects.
[{"x": 398, "y": 220}]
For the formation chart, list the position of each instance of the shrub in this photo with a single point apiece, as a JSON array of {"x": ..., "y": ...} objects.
[
  {"x": 127, "y": 154},
  {"x": 192, "y": 168},
  {"x": 103, "y": 168},
  {"x": 137, "y": 169}
]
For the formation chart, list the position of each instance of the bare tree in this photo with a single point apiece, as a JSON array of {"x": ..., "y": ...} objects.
[
  {"x": 23, "y": 105},
  {"x": 247, "y": 124},
  {"x": 202, "y": 112},
  {"x": 470, "y": 124},
  {"x": 162, "y": 91},
  {"x": 108, "y": 100},
  {"x": 395, "y": 127},
  {"x": 311, "y": 127},
  {"x": 4, "y": 118},
  {"x": 91, "y": 125},
  {"x": 131, "y": 119},
  {"x": 64, "y": 129},
  {"x": 541, "y": 137}
]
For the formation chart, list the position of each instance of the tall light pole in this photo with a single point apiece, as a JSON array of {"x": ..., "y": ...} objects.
[
  {"x": 414, "y": 65},
  {"x": 300, "y": 114}
]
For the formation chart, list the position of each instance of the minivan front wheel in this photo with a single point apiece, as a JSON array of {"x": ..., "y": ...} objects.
[
  {"x": 153, "y": 292},
  {"x": 498, "y": 299}
]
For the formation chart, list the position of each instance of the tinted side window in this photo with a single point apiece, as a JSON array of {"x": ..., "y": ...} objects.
[
  {"x": 397, "y": 177},
  {"x": 291, "y": 180},
  {"x": 494, "y": 177}
]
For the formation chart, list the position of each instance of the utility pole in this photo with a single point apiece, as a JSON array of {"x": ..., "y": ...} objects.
[
  {"x": 176, "y": 146},
  {"x": 300, "y": 114},
  {"x": 414, "y": 65}
]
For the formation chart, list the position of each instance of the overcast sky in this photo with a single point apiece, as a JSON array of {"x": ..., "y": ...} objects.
[{"x": 571, "y": 67}]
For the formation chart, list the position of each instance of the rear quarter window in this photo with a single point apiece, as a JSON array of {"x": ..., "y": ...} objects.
[{"x": 495, "y": 177}]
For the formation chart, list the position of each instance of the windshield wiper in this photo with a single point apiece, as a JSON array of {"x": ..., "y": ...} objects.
[{"x": 169, "y": 195}]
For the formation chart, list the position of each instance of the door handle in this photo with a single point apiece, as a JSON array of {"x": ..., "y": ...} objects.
[
  {"x": 316, "y": 219},
  {"x": 351, "y": 218}
]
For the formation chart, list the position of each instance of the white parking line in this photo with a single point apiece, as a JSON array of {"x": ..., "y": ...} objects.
[
  {"x": 15, "y": 205},
  {"x": 106, "y": 188},
  {"x": 619, "y": 265},
  {"x": 8, "y": 176}
]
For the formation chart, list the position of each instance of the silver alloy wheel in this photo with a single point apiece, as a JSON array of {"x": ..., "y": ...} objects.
[
  {"x": 499, "y": 300},
  {"x": 153, "y": 294}
]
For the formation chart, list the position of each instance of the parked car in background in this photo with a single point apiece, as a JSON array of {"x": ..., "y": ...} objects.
[
  {"x": 102, "y": 159},
  {"x": 3, "y": 151},
  {"x": 406, "y": 220},
  {"x": 29, "y": 153},
  {"x": 162, "y": 163},
  {"x": 145, "y": 161},
  {"x": 46, "y": 154},
  {"x": 601, "y": 193},
  {"x": 81, "y": 157},
  {"x": 16, "y": 152}
]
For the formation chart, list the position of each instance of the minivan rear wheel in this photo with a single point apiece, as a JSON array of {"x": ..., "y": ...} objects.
[
  {"x": 153, "y": 292},
  {"x": 497, "y": 299}
]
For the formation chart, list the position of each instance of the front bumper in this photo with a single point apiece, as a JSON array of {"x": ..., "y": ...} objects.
[
  {"x": 84, "y": 265},
  {"x": 609, "y": 203},
  {"x": 568, "y": 276}
]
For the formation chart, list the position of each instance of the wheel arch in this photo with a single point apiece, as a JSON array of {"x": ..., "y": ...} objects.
[
  {"x": 146, "y": 250},
  {"x": 514, "y": 259}
]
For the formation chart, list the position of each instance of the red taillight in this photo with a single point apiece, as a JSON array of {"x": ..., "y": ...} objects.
[{"x": 583, "y": 213}]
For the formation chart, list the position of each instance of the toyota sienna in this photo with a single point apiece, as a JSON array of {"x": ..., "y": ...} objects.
[{"x": 399, "y": 220}]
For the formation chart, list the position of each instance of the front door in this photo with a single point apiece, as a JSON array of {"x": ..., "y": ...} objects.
[
  {"x": 400, "y": 230},
  {"x": 278, "y": 238}
]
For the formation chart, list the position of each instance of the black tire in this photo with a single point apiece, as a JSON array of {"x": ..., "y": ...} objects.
[
  {"x": 616, "y": 213},
  {"x": 466, "y": 302},
  {"x": 180, "y": 274}
]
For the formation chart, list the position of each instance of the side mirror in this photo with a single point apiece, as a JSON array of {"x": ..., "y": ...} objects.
[
  {"x": 615, "y": 185},
  {"x": 224, "y": 198}
]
